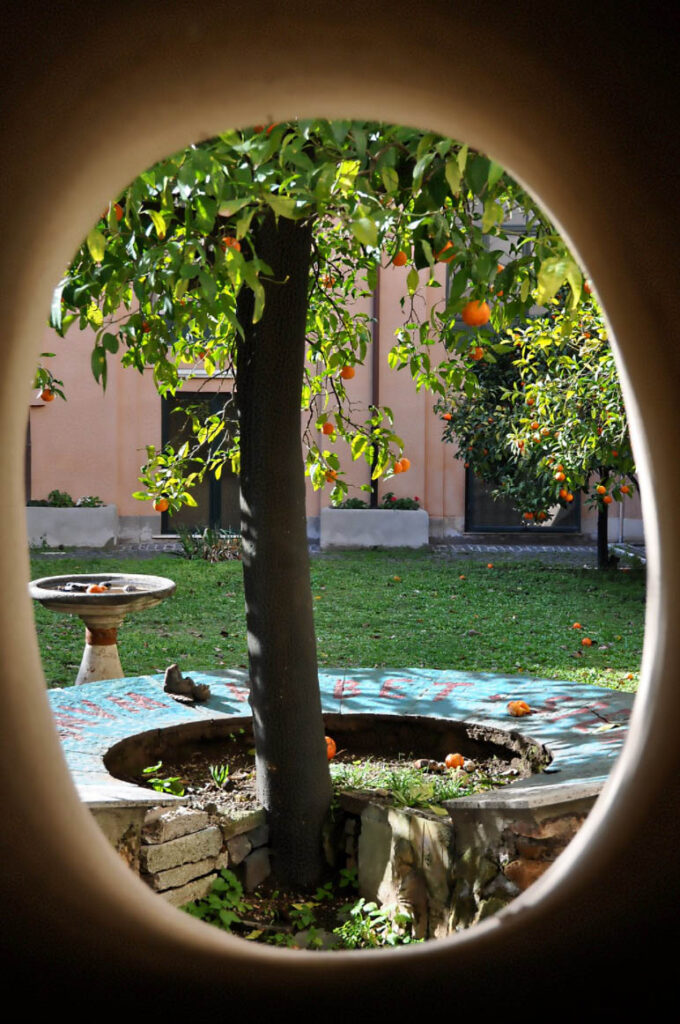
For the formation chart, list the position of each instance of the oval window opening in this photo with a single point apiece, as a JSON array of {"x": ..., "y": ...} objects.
[{"x": 442, "y": 337}]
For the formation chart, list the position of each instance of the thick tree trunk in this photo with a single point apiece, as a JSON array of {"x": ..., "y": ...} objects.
[
  {"x": 602, "y": 536},
  {"x": 292, "y": 766}
]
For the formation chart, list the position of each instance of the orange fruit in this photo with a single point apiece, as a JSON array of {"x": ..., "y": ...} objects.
[
  {"x": 448, "y": 416},
  {"x": 586, "y": 642},
  {"x": 47, "y": 395},
  {"x": 519, "y": 708},
  {"x": 400, "y": 258},
  {"x": 445, "y": 249},
  {"x": 601, "y": 489},
  {"x": 489, "y": 565},
  {"x": 397, "y": 468},
  {"x": 563, "y": 492},
  {"x": 327, "y": 428},
  {"x": 331, "y": 476},
  {"x": 145, "y": 327},
  {"x": 229, "y": 242},
  {"x": 161, "y": 505},
  {"x": 607, "y": 499},
  {"x": 500, "y": 268},
  {"x": 405, "y": 465},
  {"x": 625, "y": 489},
  {"x": 454, "y": 760},
  {"x": 615, "y": 455},
  {"x": 347, "y": 372},
  {"x": 528, "y": 515},
  {"x": 542, "y": 515},
  {"x": 570, "y": 497},
  {"x": 477, "y": 354},
  {"x": 587, "y": 287},
  {"x": 476, "y": 314},
  {"x": 530, "y": 401},
  {"x": 535, "y": 425},
  {"x": 577, "y": 625},
  {"x": 118, "y": 210},
  {"x": 95, "y": 588},
  {"x": 327, "y": 281},
  {"x": 560, "y": 476},
  {"x": 331, "y": 748}
]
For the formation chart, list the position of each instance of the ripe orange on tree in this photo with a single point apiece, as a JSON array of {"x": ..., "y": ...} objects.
[
  {"x": 347, "y": 372},
  {"x": 607, "y": 499},
  {"x": 397, "y": 468},
  {"x": 441, "y": 257},
  {"x": 229, "y": 242},
  {"x": 161, "y": 505},
  {"x": 477, "y": 353},
  {"x": 564, "y": 493},
  {"x": 625, "y": 489},
  {"x": 601, "y": 489},
  {"x": 448, "y": 416},
  {"x": 405, "y": 465},
  {"x": 47, "y": 395},
  {"x": 400, "y": 258},
  {"x": 570, "y": 497},
  {"x": 476, "y": 314},
  {"x": 528, "y": 515},
  {"x": 331, "y": 476},
  {"x": 560, "y": 476},
  {"x": 327, "y": 428}
]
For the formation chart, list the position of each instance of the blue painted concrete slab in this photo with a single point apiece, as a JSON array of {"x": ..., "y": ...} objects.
[{"x": 583, "y": 726}]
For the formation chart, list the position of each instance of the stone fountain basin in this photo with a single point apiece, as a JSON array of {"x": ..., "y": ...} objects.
[{"x": 151, "y": 591}]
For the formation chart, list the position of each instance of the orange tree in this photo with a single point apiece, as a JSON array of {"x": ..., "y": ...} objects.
[
  {"x": 545, "y": 419},
  {"x": 246, "y": 252}
]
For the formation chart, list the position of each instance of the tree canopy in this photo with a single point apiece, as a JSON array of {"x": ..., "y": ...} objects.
[
  {"x": 547, "y": 420},
  {"x": 159, "y": 275}
]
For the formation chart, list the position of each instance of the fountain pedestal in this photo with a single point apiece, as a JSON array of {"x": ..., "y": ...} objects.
[{"x": 102, "y": 612}]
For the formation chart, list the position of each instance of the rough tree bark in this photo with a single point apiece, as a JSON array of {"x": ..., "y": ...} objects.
[{"x": 292, "y": 766}]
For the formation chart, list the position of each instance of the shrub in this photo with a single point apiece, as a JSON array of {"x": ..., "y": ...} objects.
[{"x": 211, "y": 543}]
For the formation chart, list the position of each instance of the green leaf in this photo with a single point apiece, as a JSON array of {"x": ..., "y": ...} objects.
[
  {"x": 412, "y": 281},
  {"x": 551, "y": 276},
  {"x": 95, "y": 317},
  {"x": 110, "y": 343},
  {"x": 493, "y": 214},
  {"x": 390, "y": 178},
  {"x": 365, "y": 231},
  {"x": 96, "y": 243},
  {"x": 372, "y": 278},
  {"x": 283, "y": 206},
  {"x": 56, "y": 308},
  {"x": 477, "y": 174},
  {"x": 453, "y": 175},
  {"x": 524, "y": 289},
  {"x": 495, "y": 173},
  {"x": 158, "y": 222},
  {"x": 205, "y": 211}
]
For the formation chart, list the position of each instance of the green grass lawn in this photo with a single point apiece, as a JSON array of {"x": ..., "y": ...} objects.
[{"x": 381, "y": 609}]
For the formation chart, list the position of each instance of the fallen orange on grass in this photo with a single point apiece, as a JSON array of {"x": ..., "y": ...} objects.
[
  {"x": 331, "y": 748},
  {"x": 454, "y": 760},
  {"x": 586, "y": 642},
  {"x": 519, "y": 708}
]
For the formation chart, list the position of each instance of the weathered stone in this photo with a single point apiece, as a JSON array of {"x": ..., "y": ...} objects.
[
  {"x": 562, "y": 829},
  {"x": 259, "y": 836},
  {"x": 486, "y": 871},
  {"x": 239, "y": 847},
  {"x": 176, "y": 877},
  {"x": 195, "y": 890},
  {"x": 374, "y": 853},
  {"x": 122, "y": 826},
  {"x": 222, "y": 860},
  {"x": 236, "y": 823},
  {"x": 256, "y": 868},
  {"x": 524, "y": 872},
  {"x": 161, "y": 825},
  {"x": 531, "y": 849},
  {"x": 487, "y": 908},
  {"x": 185, "y": 850},
  {"x": 501, "y": 887},
  {"x": 436, "y": 858}
]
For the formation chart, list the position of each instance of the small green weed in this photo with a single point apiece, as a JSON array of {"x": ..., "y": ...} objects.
[
  {"x": 169, "y": 785},
  {"x": 219, "y": 773},
  {"x": 370, "y": 926}
]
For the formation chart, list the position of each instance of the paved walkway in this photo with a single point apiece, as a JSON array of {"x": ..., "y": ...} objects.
[{"x": 565, "y": 553}]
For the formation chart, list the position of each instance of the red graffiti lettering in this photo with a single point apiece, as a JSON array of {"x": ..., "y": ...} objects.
[
  {"x": 390, "y": 690},
  {"x": 446, "y": 688},
  {"x": 67, "y": 725},
  {"x": 88, "y": 707},
  {"x": 346, "y": 686},
  {"x": 237, "y": 691}
]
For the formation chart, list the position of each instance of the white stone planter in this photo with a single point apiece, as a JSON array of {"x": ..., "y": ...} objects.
[
  {"x": 374, "y": 527},
  {"x": 72, "y": 527}
]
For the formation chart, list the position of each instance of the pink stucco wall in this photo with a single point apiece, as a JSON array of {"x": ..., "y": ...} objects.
[{"x": 94, "y": 442}]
